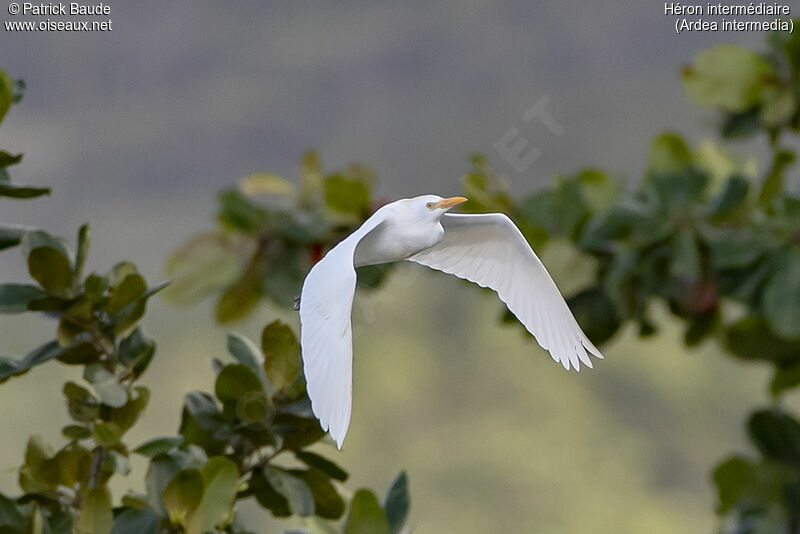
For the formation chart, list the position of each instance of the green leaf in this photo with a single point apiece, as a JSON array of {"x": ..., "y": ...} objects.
[
  {"x": 685, "y": 263},
  {"x": 369, "y": 276},
  {"x": 127, "y": 318},
  {"x": 204, "y": 409},
  {"x": 37, "y": 474},
  {"x": 111, "y": 393},
  {"x": 6, "y": 93},
  {"x": 136, "y": 352},
  {"x": 10, "y": 515},
  {"x": 37, "y": 238},
  {"x": 255, "y": 408},
  {"x": 366, "y": 515},
  {"x": 316, "y": 525},
  {"x": 242, "y": 393},
  {"x": 241, "y": 298},
  {"x": 311, "y": 171},
  {"x": 51, "y": 268},
  {"x": 203, "y": 423},
  {"x": 11, "y": 234},
  {"x": 773, "y": 183},
  {"x": 82, "y": 252},
  {"x": 221, "y": 479},
  {"x": 281, "y": 354},
  {"x": 347, "y": 195},
  {"x": 95, "y": 287},
  {"x": 76, "y": 432},
  {"x": 267, "y": 496},
  {"x": 238, "y": 212},
  {"x": 36, "y": 520},
  {"x": 96, "y": 516},
  {"x": 120, "y": 271},
  {"x": 42, "y": 354},
  {"x": 163, "y": 469},
  {"x": 22, "y": 192},
  {"x": 234, "y": 381},
  {"x": 129, "y": 291},
  {"x": 568, "y": 211},
  {"x": 266, "y": 183},
  {"x": 751, "y": 339},
  {"x": 322, "y": 464},
  {"x": 105, "y": 384},
  {"x": 285, "y": 269},
  {"x": 778, "y": 106},
  {"x": 126, "y": 416},
  {"x": 297, "y": 432},
  {"x": 776, "y": 435},
  {"x": 701, "y": 325},
  {"x": 246, "y": 352},
  {"x": 397, "y": 503},
  {"x": 75, "y": 320},
  {"x": 781, "y": 298},
  {"x": 134, "y": 500},
  {"x": 598, "y": 190},
  {"x": 733, "y": 478},
  {"x": 205, "y": 265},
  {"x": 71, "y": 465},
  {"x": 79, "y": 354},
  {"x": 561, "y": 211},
  {"x": 328, "y": 503},
  {"x": 116, "y": 462},
  {"x": 669, "y": 153},
  {"x": 741, "y": 125},
  {"x": 156, "y": 446},
  {"x": 296, "y": 491},
  {"x": 14, "y": 298},
  {"x": 785, "y": 378},
  {"x": 82, "y": 405},
  {"x": 484, "y": 188},
  {"x": 7, "y": 160},
  {"x": 183, "y": 494},
  {"x": 61, "y": 522},
  {"x": 731, "y": 197},
  {"x": 731, "y": 249},
  {"x": 137, "y": 521},
  {"x": 730, "y": 77},
  {"x": 106, "y": 434}
]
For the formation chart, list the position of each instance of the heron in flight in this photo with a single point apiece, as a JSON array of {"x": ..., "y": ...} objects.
[{"x": 487, "y": 249}]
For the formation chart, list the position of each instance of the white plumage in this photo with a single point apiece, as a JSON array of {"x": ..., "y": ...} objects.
[{"x": 487, "y": 249}]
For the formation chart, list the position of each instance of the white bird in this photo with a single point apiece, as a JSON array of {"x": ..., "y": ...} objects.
[{"x": 487, "y": 249}]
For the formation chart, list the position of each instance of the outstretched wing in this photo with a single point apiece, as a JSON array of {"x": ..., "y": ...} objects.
[
  {"x": 489, "y": 249},
  {"x": 326, "y": 339}
]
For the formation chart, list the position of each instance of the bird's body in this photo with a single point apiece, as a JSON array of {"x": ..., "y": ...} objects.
[
  {"x": 487, "y": 249},
  {"x": 397, "y": 238}
]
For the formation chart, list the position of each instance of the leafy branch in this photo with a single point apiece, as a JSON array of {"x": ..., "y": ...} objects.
[{"x": 231, "y": 445}]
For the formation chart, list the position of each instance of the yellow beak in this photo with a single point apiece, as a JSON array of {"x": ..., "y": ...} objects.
[{"x": 447, "y": 203}]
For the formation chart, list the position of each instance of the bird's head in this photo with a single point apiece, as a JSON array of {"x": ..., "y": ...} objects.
[{"x": 431, "y": 206}]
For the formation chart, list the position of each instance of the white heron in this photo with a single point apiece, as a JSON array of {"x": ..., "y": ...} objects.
[{"x": 487, "y": 249}]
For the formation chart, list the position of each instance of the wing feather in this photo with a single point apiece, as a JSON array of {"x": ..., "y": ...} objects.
[
  {"x": 489, "y": 250},
  {"x": 326, "y": 339}
]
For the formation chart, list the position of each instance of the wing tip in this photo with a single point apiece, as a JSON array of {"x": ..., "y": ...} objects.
[
  {"x": 327, "y": 423},
  {"x": 573, "y": 361},
  {"x": 338, "y": 436}
]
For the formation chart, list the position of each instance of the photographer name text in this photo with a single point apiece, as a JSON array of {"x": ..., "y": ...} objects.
[{"x": 73, "y": 8}]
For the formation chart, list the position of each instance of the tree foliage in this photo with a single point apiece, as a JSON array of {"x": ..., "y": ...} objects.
[{"x": 248, "y": 439}]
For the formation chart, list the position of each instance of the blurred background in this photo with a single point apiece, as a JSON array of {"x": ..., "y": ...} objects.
[{"x": 138, "y": 128}]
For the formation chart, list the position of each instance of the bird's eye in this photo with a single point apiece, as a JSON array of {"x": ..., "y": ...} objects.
[{"x": 429, "y": 205}]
